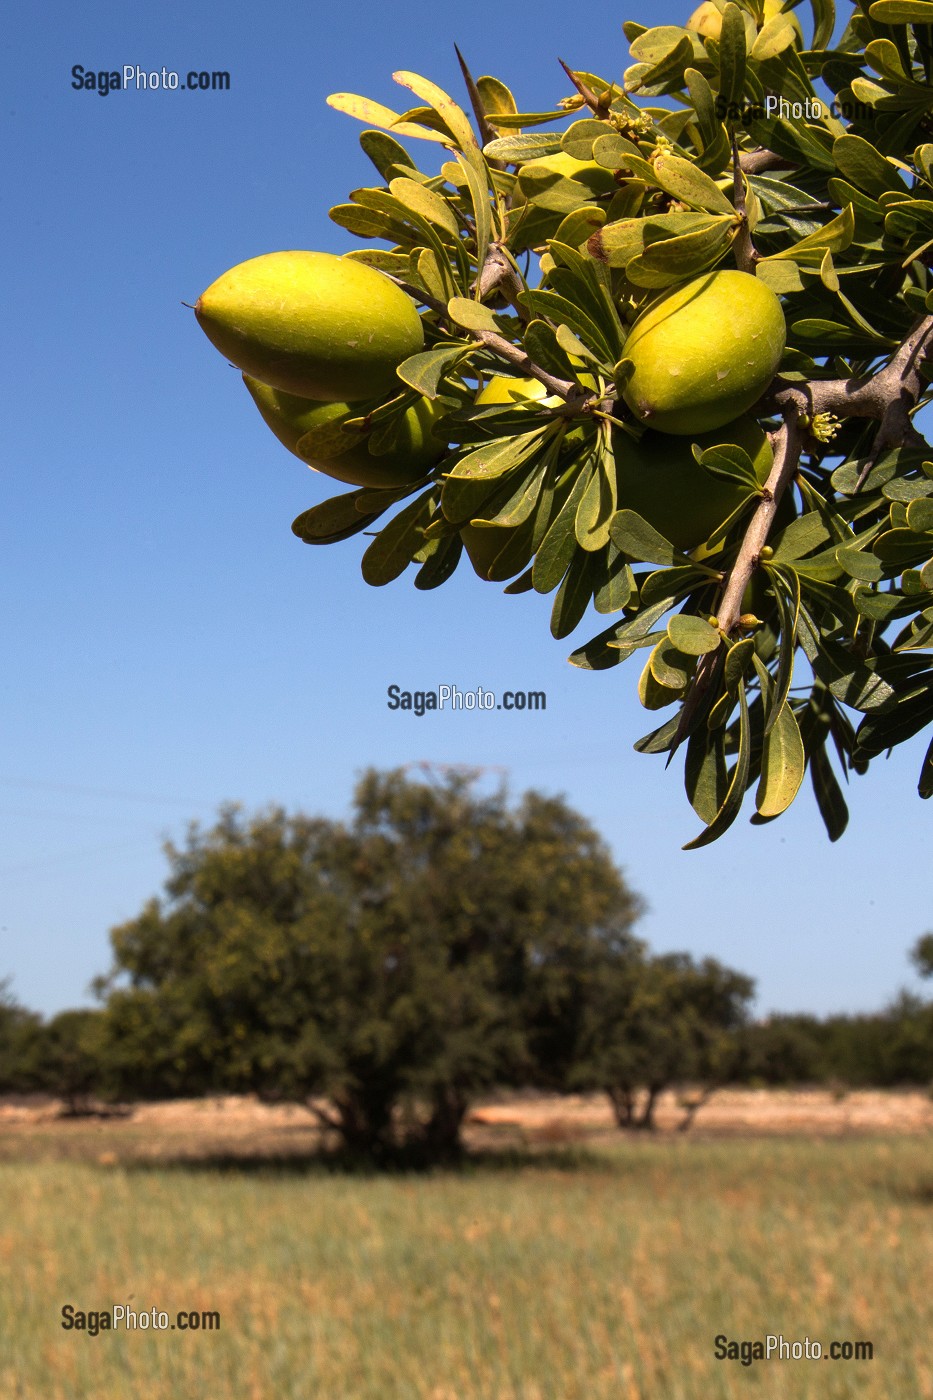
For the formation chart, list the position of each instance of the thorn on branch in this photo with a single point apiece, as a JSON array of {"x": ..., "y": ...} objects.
[{"x": 597, "y": 105}]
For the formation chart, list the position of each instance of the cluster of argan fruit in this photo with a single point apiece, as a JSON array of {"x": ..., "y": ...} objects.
[{"x": 319, "y": 339}]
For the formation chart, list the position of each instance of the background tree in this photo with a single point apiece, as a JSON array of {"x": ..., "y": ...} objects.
[
  {"x": 20, "y": 1052},
  {"x": 652, "y": 1024},
  {"x": 922, "y": 955},
  {"x": 394, "y": 964},
  {"x": 72, "y": 1060}
]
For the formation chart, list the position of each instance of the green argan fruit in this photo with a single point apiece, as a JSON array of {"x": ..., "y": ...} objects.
[
  {"x": 292, "y": 419},
  {"x": 704, "y": 353},
  {"x": 501, "y": 389},
  {"x": 312, "y": 324},
  {"x": 661, "y": 479}
]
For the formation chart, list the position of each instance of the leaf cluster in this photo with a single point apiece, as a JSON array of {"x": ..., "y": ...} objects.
[{"x": 533, "y": 247}]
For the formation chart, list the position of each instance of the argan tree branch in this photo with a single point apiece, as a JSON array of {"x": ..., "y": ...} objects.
[
  {"x": 756, "y": 162},
  {"x": 889, "y": 396},
  {"x": 504, "y": 348},
  {"x": 486, "y": 132},
  {"x": 744, "y": 249},
  {"x": 499, "y": 273},
  {"x": 597, "y": 105},
  {"x": 788, "y": 443}
]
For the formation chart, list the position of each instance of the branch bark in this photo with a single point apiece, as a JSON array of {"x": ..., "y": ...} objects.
[{"x": 565, "y": 388}]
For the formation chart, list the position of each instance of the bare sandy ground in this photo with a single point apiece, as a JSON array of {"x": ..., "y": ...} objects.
[{"x": 240, "y": 1126}]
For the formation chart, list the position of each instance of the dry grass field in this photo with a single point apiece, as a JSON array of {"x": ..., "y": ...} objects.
[{"x": 563, "y": 1261}]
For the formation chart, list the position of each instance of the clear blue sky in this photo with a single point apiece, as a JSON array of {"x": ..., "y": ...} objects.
[{"x": 168, "y": 644}]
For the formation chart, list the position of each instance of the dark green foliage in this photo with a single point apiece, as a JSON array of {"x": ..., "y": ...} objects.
[
  {"x": 394, "y": 964},
  {"x": 655, "y": 1023},
  {"x": 20, "y": 1046}
]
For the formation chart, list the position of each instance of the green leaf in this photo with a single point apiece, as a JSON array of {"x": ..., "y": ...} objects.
[
  {"x": 560, "y": 544},
  {"x": 828, "y": 794},
  {"x": 385, "y": 152},
  {"x": 432, "y": 207},
  {"x": 616, "y": 582},
  {"x": 453, "y": 117},
  {"x": 782, "y": 277},
  {"x": 440, "y": 564},
  {"x": 671, "y": 583},
  {"x": 336, "y": 519},
  {"x": 573, "y": 596},
  {"x": 472, "y": 315},
  {"x": 738, "y": 782},
  {"x": 739, "y": 658},
  {"x": 477, "y": 176},
  {"x": 563, "y": 312},
  {"x": 671, "y": 260},
  {"x": 732, "y": 55},
  {"x": 903, "y": 548},
  {"x": 391, "y": 551},
  {"x": 834, "y": 236},
  {"x": 493, "y": 459},
  {"x": 687, "y": 183},
  {"x": 671, "y": 667},
  {"x": 598, "y": 503},
  {"x": 902, "y": 11},
  {"x": 731, "y": 463},
  {"x": 859, "y": 564},
  {"x": 653, "y": 694},
  {"x": 660, "y": 740},
  {"x": 520, "y": 149},
  {"x": 693, "y": 635},
  {"x": 785, "y": 585},
  {"x": 425, "y": 371},
  {"x": 705, "y": 775},
  {"x": 799, "y": 538},
  {"x": 635, "y": 537},
  {"x": 925, "y": 783},
  {"x": 376, "y": 115},
  {"x": 783, "y": 764},
  {"x": 901, "y": 720},
  {"x": 866, "y": 167},
  {"x": 920, "y": 515}
]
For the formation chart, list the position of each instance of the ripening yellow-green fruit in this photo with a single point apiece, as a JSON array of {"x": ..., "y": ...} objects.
[
  {"x": 660, "y": 478},
  {"x": 312, "y": 324},
  {"x": 704, "y": 353},
  {"x": 707, "y": 18},
  {"x": 501, "y": 389},
  {"x": 291, "y": 418}
]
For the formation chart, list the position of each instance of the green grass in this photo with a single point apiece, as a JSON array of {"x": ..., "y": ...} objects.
[{"x": 606, "y": 1278}]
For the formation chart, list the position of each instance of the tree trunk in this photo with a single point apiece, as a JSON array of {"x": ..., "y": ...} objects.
[
  {"x": 692, "y": 1106},
  {"x": 646, "y": 1121},
  {"x": 622, "y": 1098},
  {"x": 441, "y": 1135}
]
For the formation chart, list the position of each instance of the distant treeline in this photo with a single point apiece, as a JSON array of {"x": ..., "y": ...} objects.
[{"x": 389, "y": 970}]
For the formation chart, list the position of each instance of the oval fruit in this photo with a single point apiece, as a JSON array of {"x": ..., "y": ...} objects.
[
  {"x": 292, "y": 418},
  {"x": 704, "y": 353},
  {"x": 312, "y": 324},
  {"x": 501, "y": 389},
  {"x": 661, "y": 479}
]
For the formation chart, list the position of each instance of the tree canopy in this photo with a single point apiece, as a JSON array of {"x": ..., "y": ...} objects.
[{"x": 394, "y": 964}]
